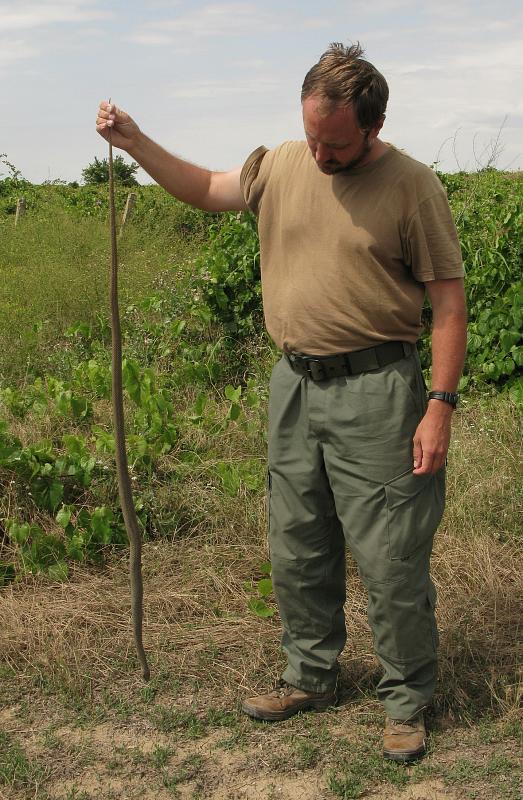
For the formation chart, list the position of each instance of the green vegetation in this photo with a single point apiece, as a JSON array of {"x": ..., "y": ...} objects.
[
  {"x": 97, "y": 172},
  {"x": 196, "y": 371},
  {"x": 193, "y": 332}
]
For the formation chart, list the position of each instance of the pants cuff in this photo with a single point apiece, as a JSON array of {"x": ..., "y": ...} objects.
[{"x": 309, "y": 684}]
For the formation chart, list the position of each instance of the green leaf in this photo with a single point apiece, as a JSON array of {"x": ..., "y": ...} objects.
[
  {"x": 8, "y": 453},
  {"x": 19, "y": 533},
  {"x": 197, "y": 417},
  {"x": 233, "y": 394},
  {"x": 260, "y": 608},
  {"x": 264, "y": 587},
  {"x": 81, "y": 407},
  {"x": 64, "y": 516},
  {"x": 517, "y": 355},
  {"x": 131, "y": 379},
  {"x": 101, "y": 524},
  {"x": 56, "y": 492},
  {"x": 234, "y": 412},
  {"x": 265, "y": 568},
  {"x": 252, "y": 400},
  {"x": 63, "y": 401},
  {"x": 83, "y": 519},
  {"x": 104, "y": 442},
  {"x": 75, "y": 547},
  {"x": 509, "y": 338}
]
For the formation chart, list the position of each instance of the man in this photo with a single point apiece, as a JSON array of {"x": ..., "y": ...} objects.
[{"x": 353, "y": 233}]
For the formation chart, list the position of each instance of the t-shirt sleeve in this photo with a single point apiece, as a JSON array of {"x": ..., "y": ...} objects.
[
  {"x": 432, "y": 245},
  {"x": 251, "y": 182}
]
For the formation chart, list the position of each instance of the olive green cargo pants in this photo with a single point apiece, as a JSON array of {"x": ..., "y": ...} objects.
[{"x": 340, "y": 474}]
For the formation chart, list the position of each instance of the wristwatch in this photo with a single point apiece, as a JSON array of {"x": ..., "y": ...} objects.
[{"x": 448, "y": 397}]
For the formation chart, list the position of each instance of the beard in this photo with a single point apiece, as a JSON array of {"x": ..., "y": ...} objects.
[{"x": 332, "y": 166}]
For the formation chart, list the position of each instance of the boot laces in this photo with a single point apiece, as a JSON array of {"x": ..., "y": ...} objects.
[
  {"x": 282, "y": 689},
  {"x": 412, "y": 722}
]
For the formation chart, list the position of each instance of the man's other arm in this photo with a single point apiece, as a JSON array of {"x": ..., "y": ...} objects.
[
  {"x": 449, "y": 343},
  {"x": 199, "y": 187}
]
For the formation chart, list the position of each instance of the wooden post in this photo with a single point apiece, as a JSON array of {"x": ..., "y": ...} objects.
[
  {"x": 20, "y": 209},
  {"x": 129, "y": 205}
]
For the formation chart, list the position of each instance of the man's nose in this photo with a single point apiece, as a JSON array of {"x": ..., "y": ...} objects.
[{"x": 322, "y": 153}]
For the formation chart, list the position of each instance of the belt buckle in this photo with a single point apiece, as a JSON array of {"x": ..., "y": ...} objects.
[{"x": 315, "y": 369}]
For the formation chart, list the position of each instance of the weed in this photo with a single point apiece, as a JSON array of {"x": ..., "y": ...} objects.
[
  {"x": 160, "y": 756},
  {"x": 188, "y": 770},
  {"x": 75, "y": 794},
  {"x": 16, "y": 770},
  {"x": 218, "y": 718},
  {"x": 168, "y": 720},
  {"x": 50, "y": 740},
  {"x": 365, "y": 768}
]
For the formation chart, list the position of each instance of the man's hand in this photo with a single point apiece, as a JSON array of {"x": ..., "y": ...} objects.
[
  {"x": 125, "y": 131},
  {"x": 432, "y": 438}
]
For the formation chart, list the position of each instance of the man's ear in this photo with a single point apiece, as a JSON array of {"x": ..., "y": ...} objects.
[{"x": 374, "y": 132}]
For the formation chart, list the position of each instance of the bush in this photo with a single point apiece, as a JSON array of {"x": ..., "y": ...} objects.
[
  {"x": 230, "y": 274},
  {"x": 98, "y": 172}
]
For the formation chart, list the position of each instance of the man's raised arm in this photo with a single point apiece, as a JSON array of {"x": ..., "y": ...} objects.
[{"x": 202, "y": 188}]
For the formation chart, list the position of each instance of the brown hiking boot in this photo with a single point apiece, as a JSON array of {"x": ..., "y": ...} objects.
[
  {"x": 285, "y": 700},
  {"x": 404, "y": 740}
]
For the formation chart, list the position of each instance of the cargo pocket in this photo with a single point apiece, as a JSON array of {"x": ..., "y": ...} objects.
[{"x": 415, "y": 506}]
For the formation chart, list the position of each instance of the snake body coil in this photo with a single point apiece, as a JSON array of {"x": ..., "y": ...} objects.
[{"x": 124, "y": 481}]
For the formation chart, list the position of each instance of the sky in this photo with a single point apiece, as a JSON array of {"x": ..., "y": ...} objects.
[{"x": 211, "y": 81}]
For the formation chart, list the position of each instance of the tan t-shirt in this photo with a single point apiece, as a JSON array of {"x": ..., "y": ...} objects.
[{"x": 344, "y": 257}]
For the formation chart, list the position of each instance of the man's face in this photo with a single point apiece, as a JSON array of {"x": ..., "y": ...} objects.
[{"x": 335, "y": 139}]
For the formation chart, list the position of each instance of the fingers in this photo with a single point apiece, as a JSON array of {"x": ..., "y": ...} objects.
[
  {"x": 417, "y": 453},
  {"x": 426, "y": 461},
  {"x": 106, "y": 116},
  {"x": 425, "y": 465}
]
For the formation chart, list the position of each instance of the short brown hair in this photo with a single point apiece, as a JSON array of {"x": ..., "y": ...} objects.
[{"x": 342, "y": 77}]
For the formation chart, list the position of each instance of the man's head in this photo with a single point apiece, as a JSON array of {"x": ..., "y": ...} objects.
[{"x": 344, "y": 99}]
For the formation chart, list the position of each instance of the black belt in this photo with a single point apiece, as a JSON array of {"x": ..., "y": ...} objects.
[{"x": 321, "y": 368}]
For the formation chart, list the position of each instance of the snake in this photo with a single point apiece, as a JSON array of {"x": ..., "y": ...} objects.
[{"x": 122, "y": 468}]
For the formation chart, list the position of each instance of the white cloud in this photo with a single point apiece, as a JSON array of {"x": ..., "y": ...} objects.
[
  {"x": 27, "y": 16},
  {"x": 312, "y": 23},
  {"x": 211, "y": 89},
  {"x": 412, "y": 69},
  {"x": 151, "y": 39},
  {"x": 221, "y": 19},
  {"x": 250, "y": 63},
  {"x": 15, "y": 50}
]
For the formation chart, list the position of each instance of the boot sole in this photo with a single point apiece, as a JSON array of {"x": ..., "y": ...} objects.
[
  {"x": 278, "y": 716},
  {"x": 404, "y": 758}
]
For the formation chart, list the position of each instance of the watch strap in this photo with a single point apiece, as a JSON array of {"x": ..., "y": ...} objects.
[{"x": 448, "y": 397}]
